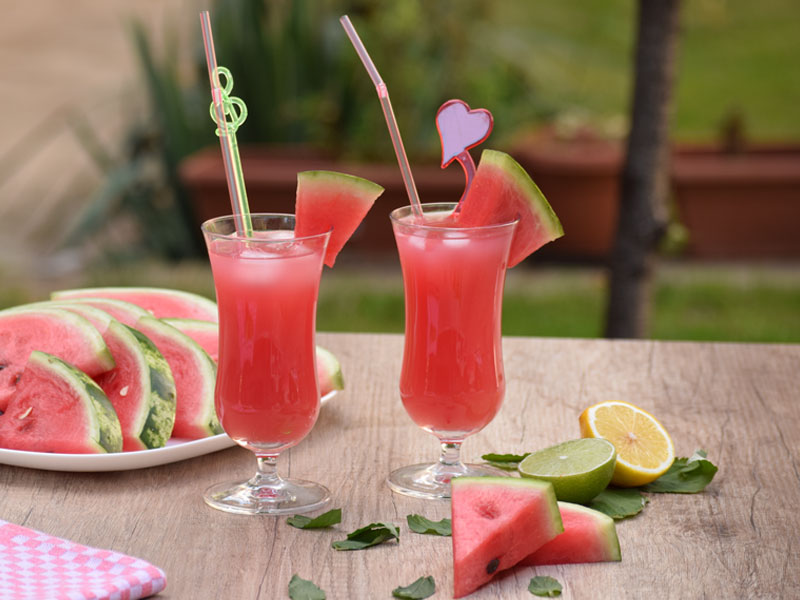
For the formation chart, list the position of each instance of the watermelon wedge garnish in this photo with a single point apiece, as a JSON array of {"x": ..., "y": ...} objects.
[
  {"x": 159, "y": 302},
  {"x": 61, "y": 333},
  {"x": 589, "y": 536},
  {"x": 498, "y": 521},
  {"x": 57, "y": 408},
  {"x": 335, "y": 202},
  {"x": 503, "y": 191}
]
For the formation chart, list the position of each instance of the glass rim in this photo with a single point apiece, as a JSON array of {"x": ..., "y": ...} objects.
[
  {"x": 204, "y": 227},
  {"x": 451, "y": 205}
]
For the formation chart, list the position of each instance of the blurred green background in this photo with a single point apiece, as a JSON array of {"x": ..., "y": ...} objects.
[{"x": 565, "y": 64}]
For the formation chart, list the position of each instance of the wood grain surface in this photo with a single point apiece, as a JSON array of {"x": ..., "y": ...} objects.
[{"x": 738, "y": 539}]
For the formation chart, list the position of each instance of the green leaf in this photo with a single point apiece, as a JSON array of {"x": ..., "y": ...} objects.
[
  {"x": 302, "y": 589},
  {"x": 509, "y": 462},
  {"x": 367, "y": 536},
  {"x": 421, "y": 588},
  {"x": 419, "y": 524},
  {"x": 685, "y": 476},
  {"x": 332, "y": 517},
  {"x": 545, "y": 586},
  {"x": 619, "y": 503}
]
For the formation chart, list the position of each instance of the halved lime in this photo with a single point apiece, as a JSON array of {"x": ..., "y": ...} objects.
[{"x": 578, "y": 469}]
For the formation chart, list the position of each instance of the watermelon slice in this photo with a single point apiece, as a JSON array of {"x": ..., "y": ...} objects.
[
  {"x": 498, "y": 521},
  {"x": 206, "y": 334},
  {"x": 589, "y": 536},
  {"x": 332, "y": 201},
  {"x": 160, "y": 302},
  {"x": 503, "y": 191},
  {"x": 59, "y": 332},
  {"x": 140, "y": 388},
  {"x": 122, "y": 311},
  {"x": 195, "y": 377},
  {"x": 57, "y": 408}
]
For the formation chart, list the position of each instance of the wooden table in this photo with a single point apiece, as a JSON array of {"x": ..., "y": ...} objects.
[{"x": 738, "y": 539}]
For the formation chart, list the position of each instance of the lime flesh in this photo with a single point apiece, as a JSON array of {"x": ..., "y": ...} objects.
[{"x": 578, "y": 469}]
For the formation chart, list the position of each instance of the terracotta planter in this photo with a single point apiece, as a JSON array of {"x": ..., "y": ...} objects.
[
  {"x": 271, "y": 175},
  {"x": 743, "y": 205},
  {"x": 580, "y": 179}
]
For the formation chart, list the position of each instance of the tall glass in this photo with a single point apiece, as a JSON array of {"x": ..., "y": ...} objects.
[
  {"x": 452, "y": 382},
  {"x": 267, "y": 394}
]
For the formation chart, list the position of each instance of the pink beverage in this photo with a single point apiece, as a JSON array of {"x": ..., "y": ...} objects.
[
  {"x": 452, "y": 381},
  {"x": 267, "y": 394}
]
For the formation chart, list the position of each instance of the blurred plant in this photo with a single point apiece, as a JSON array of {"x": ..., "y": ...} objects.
[{"x": 304, "y": 84}]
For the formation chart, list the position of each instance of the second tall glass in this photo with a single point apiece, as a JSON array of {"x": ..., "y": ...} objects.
[{"x": 452, "y": 382}]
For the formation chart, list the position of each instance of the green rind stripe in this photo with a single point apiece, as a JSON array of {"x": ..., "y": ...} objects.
[
  {"x": 541, "y": 207},
  {"x": 606, "y": 528},
  {"x": 341, "y": 181},
  {"x": 159, "y": 386},
  {"x": 103, "y": 422}
]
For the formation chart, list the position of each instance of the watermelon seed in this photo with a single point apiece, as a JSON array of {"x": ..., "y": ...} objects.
[
  {"x": 487, "y": 511},
  {"x": 26, "y": 413},
  {"x": 492, "y": 566},
  {"x": 124, "y": 391}
]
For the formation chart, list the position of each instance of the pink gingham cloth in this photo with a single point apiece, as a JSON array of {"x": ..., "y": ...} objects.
[{"x": 37, "y": 566}]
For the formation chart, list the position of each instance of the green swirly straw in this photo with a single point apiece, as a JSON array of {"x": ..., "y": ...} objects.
[{"x": 233, "y": 105}]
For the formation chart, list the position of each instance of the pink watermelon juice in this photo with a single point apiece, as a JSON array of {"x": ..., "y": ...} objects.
[
  {"x": 267, "y": 395},
  {"x": 452, "y": 381}
]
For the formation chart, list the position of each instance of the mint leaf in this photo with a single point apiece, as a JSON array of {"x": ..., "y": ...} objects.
[
  {"x": 619, "y": 503},
  {"x": 369, "y": 535},
  {"x": 332, "y": 517},
  {"x": 423, "y": 587},
  {"x": 419, "y": 524},
  {"x": 685, "y": 476},
  {"x": 509, "y": 462},
  {"x": 302, "y": 589},
  {"x": 545, "y": 586}
]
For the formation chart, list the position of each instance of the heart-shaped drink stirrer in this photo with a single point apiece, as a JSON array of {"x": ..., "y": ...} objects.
[{"x": 461, "y": 128}]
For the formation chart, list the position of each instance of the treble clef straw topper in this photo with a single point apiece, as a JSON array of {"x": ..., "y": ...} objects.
[{"x": 232, "y": 105}]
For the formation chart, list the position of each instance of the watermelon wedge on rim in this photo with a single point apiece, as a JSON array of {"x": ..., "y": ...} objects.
[
  {"x": 335, "y": 202},
  {"x": 502, "y": 191}
]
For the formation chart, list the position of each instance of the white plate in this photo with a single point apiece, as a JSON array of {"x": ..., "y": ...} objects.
[{"x": 175, "y": 450}]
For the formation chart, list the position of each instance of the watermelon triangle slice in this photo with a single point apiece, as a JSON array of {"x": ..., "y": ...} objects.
[
  {"x": 160, "y": 302},
  {"x": 589, "y": 536},
  {"x": 59, "y": 332},
  {"x": 195, "y": 376},
  {"x": 498, "y": 521},
  {"x": 57, "y": 408},
  {"x": 335, "y": 202},
  {"x": 502, "y": 191}
]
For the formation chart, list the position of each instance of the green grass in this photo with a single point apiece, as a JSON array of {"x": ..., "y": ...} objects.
[{"x": 691, "y": 302}]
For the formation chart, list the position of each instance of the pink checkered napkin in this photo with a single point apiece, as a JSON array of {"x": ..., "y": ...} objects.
[{"x": 36, "y": 566}]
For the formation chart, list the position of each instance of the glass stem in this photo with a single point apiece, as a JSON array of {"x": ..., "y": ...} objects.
[
  {"x": 267, "y": 474},
  {"x": 451, "y": 455}
]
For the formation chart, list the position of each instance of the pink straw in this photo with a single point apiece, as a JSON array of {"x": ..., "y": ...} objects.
[{"x": 386, "y": 104}]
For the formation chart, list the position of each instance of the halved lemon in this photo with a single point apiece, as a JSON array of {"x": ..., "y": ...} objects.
[{"x": 644, "y": 448}]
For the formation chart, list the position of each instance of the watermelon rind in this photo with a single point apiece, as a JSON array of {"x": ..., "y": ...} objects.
[
  {"x": 103, "y": 426},
  {"x": 594, "y": 540},
  {"x": 329, "y": 371},
  {"x": 195, "y": 415},
  {"x": 205, "y": 333},
  {"x": 159, "y": 302},
  {"x": 100, "y": 319},
  {"x": 332, "y": 201},
  {"x": 143, "y": 395}
]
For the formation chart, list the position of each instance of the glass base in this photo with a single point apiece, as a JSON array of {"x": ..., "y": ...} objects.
[
  {"x": 431, "y": 481},
  {"x": 290, "y": 496}
]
